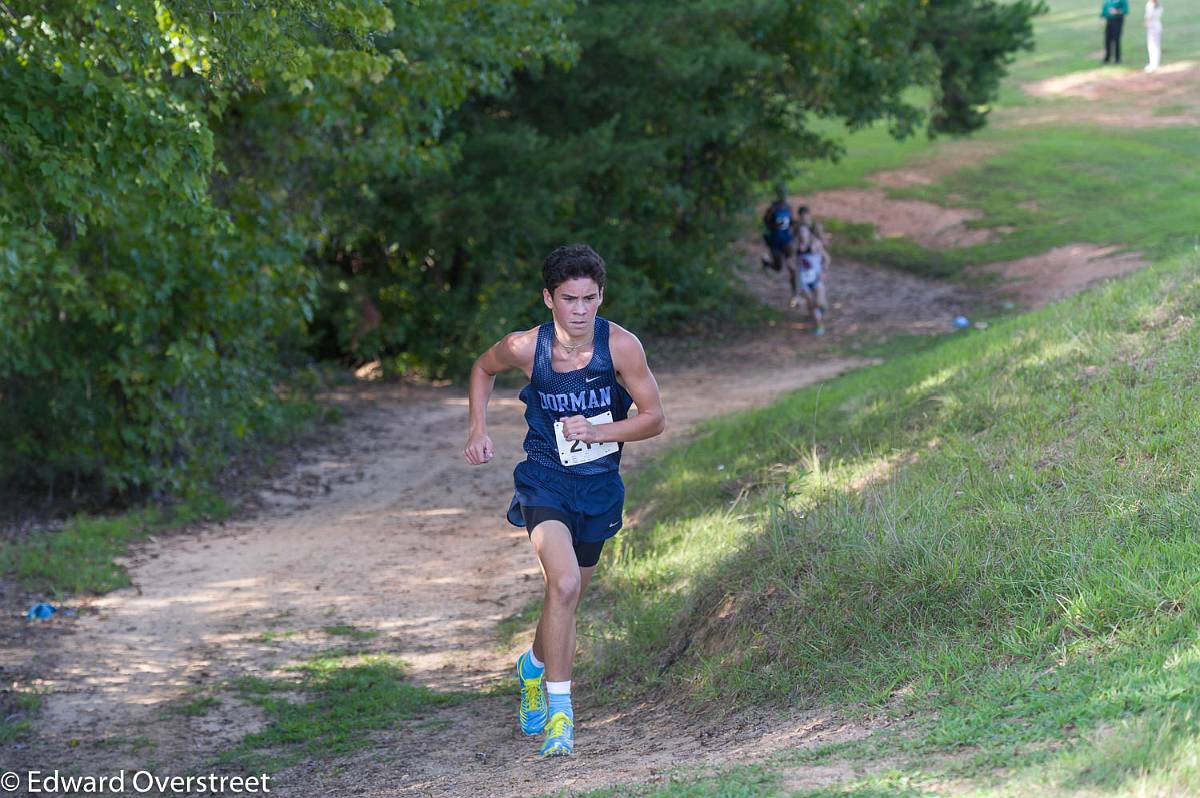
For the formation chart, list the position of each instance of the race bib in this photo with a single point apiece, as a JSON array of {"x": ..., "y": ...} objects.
[
  {"x": 572, "y": 453},
  {"x": 810, "y": 271}
]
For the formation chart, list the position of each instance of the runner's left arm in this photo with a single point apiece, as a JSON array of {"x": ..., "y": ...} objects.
[{"x": 629, "y": 360}]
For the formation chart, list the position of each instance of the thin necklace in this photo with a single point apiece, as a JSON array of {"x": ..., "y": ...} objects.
[{"x": 571, "y": 348}]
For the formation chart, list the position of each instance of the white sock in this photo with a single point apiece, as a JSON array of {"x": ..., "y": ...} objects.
[
  {"x": 537, "y": 663},
  {"x": 558, "y": 696}
]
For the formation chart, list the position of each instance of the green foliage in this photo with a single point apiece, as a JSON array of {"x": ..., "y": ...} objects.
[
  {"x": 193, "y": 193},
  {"x": 136, "y": 321},
  {"x": 650, "y": 148},
  {"x": 974, "y": 43},
  {"x": 79, "y": 558},
  {"x": 149, "y": 278}
]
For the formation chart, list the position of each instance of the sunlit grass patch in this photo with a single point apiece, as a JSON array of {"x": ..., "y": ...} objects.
[
  {"x": 1001, "y": 528},
  {"x": 196, "y": 707},
  {"x": 1071, "y": 38},
  {"x": 1066, "y": 177},
  {"x": 17, "y": 708},
  {"x": 346, "y": 630},
  {"x": 1047, "y": 190},
  {"x": 328, "y": 706}
]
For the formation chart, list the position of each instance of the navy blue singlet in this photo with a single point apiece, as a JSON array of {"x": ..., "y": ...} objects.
[{"x": 550, "y": 396}]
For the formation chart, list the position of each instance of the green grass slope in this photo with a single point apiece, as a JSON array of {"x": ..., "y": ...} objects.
[
  {"x": 1070, "y": 38},
  {"x": 1003, "y": 528}
]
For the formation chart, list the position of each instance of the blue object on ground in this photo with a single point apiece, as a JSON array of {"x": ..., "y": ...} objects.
[
  {"x": 962, "y": 322},
  {"x": 43, "y": 611}
]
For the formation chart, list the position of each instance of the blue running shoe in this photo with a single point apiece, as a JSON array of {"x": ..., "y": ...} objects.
[
  {"x": 533, "y": 710},
  {"x": 560, "y": 736}
]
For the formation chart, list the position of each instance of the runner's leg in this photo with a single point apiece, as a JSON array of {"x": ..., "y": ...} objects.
[
  {"x": 556, "y": 629},
  {"x": 585, "y": 576},
  {"x": 815, "y": 298},
  {"x": 531, "y": 671},
  {"x": 554, "y": 642}
]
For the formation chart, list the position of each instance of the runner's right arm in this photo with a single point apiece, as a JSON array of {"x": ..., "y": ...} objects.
[{"x": 513, "y": 351}]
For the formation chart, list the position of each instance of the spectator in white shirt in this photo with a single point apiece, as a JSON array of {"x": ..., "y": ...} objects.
[{"x": 1153, "y": 33}]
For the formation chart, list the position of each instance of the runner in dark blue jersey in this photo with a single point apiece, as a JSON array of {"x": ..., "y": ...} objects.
[{"x": 585, "y": 373}]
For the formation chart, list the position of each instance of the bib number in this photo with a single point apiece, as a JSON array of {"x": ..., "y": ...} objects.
[{"x": 572, "y": 453}]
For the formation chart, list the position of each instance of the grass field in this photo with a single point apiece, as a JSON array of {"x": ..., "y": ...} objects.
[
  {"x": 1071, "y": 38},
  {"x": 1068, "y": 39},
  {"x": 80, "y": 558},
  {"x": 1058, "y": 184},
  {"x": 329, "y": 706},
  {"x": 1132, "y": 192}
]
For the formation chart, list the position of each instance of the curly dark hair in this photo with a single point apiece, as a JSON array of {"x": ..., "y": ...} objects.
[{"x": 570, "y": 262}]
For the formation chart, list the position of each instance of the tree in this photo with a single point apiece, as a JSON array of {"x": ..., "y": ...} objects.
[
  {"x": 149, "y": 265},
  {"x": 650, "y": 147}
]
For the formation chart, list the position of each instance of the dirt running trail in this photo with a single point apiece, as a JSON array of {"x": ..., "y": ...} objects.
[{"x": 385, "y": 528}]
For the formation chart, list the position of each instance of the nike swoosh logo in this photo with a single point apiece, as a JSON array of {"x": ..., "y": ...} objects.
[
  {"x": 590, "y": 379},
  {"x": 614, "y": 523}
]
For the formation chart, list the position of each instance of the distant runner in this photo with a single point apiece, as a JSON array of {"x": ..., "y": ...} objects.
[
  {"x": 584, "y": 374},
  {"x": 813, "y": 261},
  {"x": 780, "y": 237}
]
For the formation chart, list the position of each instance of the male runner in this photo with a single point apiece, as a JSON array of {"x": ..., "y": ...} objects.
[
  {"x": 779, "y": 236},
  {"x": 584, "y": 373}
]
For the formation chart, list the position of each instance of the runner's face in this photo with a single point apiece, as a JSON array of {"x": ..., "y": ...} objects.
[{"x": 574, "y": 304}]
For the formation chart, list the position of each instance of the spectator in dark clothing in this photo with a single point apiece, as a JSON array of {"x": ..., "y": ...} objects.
[{"x": 1113, "y": 12}]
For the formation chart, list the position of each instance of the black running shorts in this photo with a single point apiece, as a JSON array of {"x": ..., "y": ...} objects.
[{"x": 588, "y": 554}]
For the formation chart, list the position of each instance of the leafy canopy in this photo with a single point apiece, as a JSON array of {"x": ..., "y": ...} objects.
[{"x": 146, "y": 280}]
